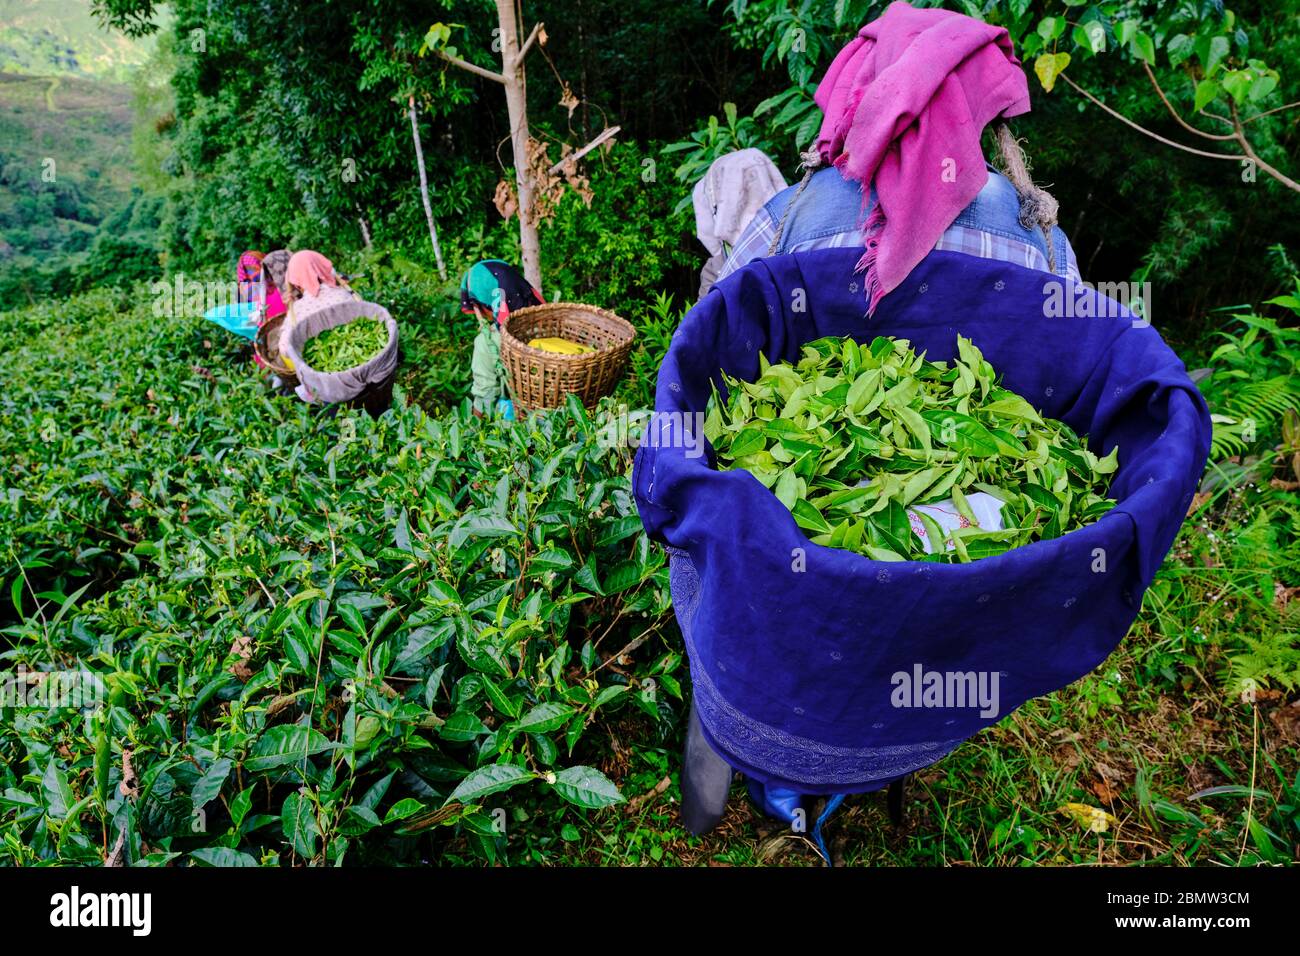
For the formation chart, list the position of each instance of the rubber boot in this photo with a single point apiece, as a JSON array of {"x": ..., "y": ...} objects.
[{"x": 706, "y": 780}]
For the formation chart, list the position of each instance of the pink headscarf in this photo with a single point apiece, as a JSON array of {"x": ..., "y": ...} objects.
[
  {"x": 250, "y": 266},
  {"x": 308, "y": 270},
  {"x": 905, "y": 103},
  {"x": 248, "y": 273}
]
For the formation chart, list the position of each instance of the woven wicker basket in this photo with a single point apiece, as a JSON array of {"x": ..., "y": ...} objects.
[
  {"x": 267, "y": 347},
  {"x": 540, "y": 379}
]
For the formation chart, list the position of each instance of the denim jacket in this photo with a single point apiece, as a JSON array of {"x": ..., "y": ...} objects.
[{"x": 829, "y": 214}]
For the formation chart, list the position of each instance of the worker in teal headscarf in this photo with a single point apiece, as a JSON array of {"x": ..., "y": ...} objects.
[{"x": 492, "y": 290}]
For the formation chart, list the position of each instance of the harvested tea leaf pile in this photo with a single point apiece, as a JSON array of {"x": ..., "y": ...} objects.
[
  {"x": 852, "y": 439},
  {"x": 346, "y": 346}
]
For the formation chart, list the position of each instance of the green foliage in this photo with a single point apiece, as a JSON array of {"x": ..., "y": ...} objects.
[
  {"x": 1206, "y": 823},
  {"x": 1202, "y": 39},
  {"x": 68, "y": 203},
  {"x": 655, "y": 328},
  {"x": 1226, "y": 592},
  {"x": 628, "y": 245},
  {"x": 346, "y": 346},
  {"x": 702, "y": 147},
  {"x": 292, "y": 142},
  {"x": 319, "y": 637},
  {"x": 297, "y": 142},
  {"x": 1271, "y": 660},
  {"x": 1252, "y": 534},
  {"x": 62, "y": 38},
  {"x": 1254, "y": 380},
  {"x": 802, "y": 36},
  {"x": 114, "y": 260}
]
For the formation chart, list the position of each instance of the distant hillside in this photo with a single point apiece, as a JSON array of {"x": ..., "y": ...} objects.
[
  {"x": 66, "y": 176},
  {"x": 70, "y": 212},
  {"x": 62, "y": 38}
]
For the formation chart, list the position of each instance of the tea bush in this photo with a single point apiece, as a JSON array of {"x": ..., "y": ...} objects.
[{"x": 318, "y": 637}]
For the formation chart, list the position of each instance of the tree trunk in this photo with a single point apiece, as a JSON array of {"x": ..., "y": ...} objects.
[
  {"x": 365, "y": 227},
  {"x": 517, "y": 107},
  {"x": 424, "y": 191}
]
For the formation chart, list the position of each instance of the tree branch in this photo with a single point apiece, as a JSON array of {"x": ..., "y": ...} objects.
[
  {"x": 1286, "y": 181},
  {"x": 532, "y": 37},
  {"x": 472, "y": 68},
  {"x": 1276, "y": 109},
  {"x": 1248, "y": 152},
  {"x": 575, "y": 156},
  {"x": 1146, "y": 132},
  {"x": 1174, "y": 113}
]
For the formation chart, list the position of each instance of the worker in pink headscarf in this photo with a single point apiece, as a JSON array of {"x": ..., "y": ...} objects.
[
  {"x": 313, "y": 285},
  {"x": 897, "y": 168}
]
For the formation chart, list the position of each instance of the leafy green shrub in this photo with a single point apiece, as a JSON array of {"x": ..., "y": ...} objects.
[
  {"x": 114, "y": 260},
  {"x": 700, "y": 149},
  {"x": 1241, "y": 549},
  {"x": 319, "y": 637},
  {"x": 629, "y": 245},
  {"x": 655, "y": 328},
  {"x": 1253, "y": 380}
]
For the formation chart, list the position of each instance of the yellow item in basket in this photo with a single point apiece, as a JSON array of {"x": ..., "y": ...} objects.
[{"x": 560, "y": 346}]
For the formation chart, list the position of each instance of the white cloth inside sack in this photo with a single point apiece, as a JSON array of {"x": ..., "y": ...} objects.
[{"x": 986, "y": 509}]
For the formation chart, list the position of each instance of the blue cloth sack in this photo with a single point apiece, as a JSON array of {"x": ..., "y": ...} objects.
[
  {"x": 796, "y": 650},
  {"x": 236, "y": 317}
]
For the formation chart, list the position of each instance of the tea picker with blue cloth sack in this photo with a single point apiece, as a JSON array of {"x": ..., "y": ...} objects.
[{"x": 901, "y": 230}]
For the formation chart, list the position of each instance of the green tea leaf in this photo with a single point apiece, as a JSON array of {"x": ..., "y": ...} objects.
[
  {"x": 545, "y": 717},
  {"x": 286, "y": 744},
  {"x": 488, "y": 780},
  {"x": 586, "y": 787}
]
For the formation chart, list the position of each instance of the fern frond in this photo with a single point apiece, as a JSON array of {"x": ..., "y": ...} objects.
[
  {"x": 1246, "y": 413},
  {"x": 1269, "y": 661},
  {"x": 1268, "y": 399}
]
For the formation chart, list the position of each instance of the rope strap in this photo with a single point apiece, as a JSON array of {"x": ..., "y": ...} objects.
[
  {"x": 811, "y": 162},
  {"x": 1038, "y": 207}
]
